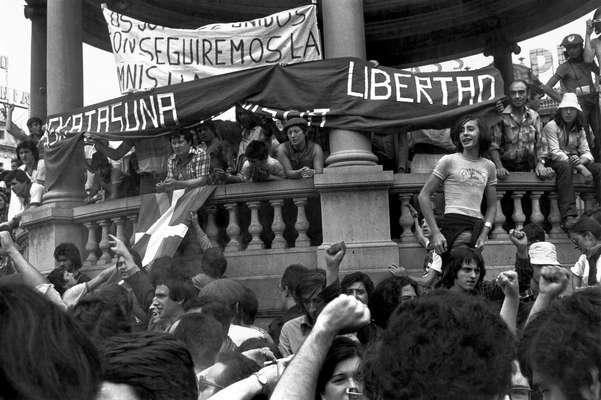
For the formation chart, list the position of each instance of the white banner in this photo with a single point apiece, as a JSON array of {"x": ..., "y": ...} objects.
[{"x": 150, "y": 56}]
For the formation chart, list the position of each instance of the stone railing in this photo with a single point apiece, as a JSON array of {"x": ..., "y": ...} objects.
[
  {"x": 524, "y": 199},
  {"x": 238, "y": 217}
]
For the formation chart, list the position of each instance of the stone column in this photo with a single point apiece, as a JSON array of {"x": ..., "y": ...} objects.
[
  {"x": 344, "y": 36},
  {"x": 37, "y": 71},
  {"x": 501, "y": 49},
  {"x": 353, "y": 189},
  {"x": 52, "y": 223},
  {"x": 65, "y": 88}
]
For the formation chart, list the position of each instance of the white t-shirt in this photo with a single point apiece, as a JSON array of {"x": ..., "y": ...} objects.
[
  {"x": 464, "y": 183},
  {"x": 582, "y": 269}
]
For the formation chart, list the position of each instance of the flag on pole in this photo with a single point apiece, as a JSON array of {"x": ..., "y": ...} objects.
[{"x": 162, "y": 221}]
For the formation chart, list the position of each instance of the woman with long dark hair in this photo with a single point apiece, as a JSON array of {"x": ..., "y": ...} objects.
[
  {"x": 339, "y": 375},
  {"x": 465, "y": 177}
]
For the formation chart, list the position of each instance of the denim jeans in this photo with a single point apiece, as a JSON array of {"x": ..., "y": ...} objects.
[{"x": 565, "y": 186}]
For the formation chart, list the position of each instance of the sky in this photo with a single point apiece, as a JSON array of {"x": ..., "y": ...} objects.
[{"x": 100, "y": 78}]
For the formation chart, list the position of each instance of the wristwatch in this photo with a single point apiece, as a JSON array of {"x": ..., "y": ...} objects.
[{"x": 488, "y": 224}]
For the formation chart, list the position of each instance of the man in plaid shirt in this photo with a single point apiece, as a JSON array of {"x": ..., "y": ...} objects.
[{"x": 187, "y": 167}]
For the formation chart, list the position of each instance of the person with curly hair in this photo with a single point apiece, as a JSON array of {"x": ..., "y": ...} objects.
[
  {"x": 438, "y": 347},
  {"x": 560, "y": 350}
]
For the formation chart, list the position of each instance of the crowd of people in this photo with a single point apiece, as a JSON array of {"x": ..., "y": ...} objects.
[
  {"x": 135, "y": 332},
  {"x": 163, "y": 333}
]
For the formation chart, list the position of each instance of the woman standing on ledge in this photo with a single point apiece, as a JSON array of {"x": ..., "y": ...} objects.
[{"x": 465, "y": 177}]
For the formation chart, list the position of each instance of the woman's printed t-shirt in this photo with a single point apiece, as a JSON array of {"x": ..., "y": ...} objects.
[{"x": 464, "y": 183}]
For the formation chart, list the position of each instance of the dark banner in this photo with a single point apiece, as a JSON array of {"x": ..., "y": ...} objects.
[{"x": 345, "y": 93}]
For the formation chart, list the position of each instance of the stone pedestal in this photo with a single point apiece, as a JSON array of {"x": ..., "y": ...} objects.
[
  {"x": 49, "y": 226},
  {"x": 355, "y": 208}
]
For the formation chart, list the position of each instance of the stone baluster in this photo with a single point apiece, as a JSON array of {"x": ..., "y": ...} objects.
[
  {"x": 555, "y": 217},
  {"x": 302, "y": 224},
  {"x": 255, "y": 228},
  {"x": 133, "y": 220},
  {"x": 537, "y": 215},
  {"x": 518, "y": 213},
  {"x": 589, "y": 200},
  {"x": 91, "y": 244},
  {"x": 233, "y": 229},
  {"x": 211, "y": 229},
  {"x": 499, "y": 232},
  {"x": 105, "y": 258},
  {"x": 278, "y": 226},
  {"x": 406, "y": 220},
  {"x": 119, "y": 228}
]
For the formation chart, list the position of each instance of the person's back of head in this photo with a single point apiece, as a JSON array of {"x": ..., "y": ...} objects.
[
  {"x": 57, "y": 278},
  {"x": 441, "y": 346},
  {"x": 534, "y": 233},
  {"x": 291, "y": 277},
  {"x": 228, "y": 291},
  {"x": 256, "y": 150},
  {"x": 211, "y": 306},
  {"x": 156, "y": 366},
  {"x": 203, "y": 336},
  {"x": 586, "y": 225},
  {"x": 561, "y": 347},
  {"x": 214, "y": 263},
  {"x": 105, "y": 313},
  {"x": 386, "y": 297},
  {"x": 248, "y": 307},
  {"x": 44, "y": 354},
  {"x": 312, "y": 281}
]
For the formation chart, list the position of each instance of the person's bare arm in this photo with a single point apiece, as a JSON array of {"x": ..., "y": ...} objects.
[
  {"x": 113, "y": 154},
  {"x": 553, "y": 281},
  {"x": 588, "y": 53},
  {"x": 203, "y": 240},
  {"x": 548, "y": 88},
  {"x": 491, "y": 211},
  {"x": 300, "y": 378},
  {"x": 502, "y": 172},
  {"x": 508, "y": 281},
  {"x": 433, "y": 184},
  {"x": 250, "y": 387},
  {"x": 333, "y": 257},
  {"x": 31, "y": 276},
  {"x": 11, "y": 128},
  {"x": 318, "y": 160}
]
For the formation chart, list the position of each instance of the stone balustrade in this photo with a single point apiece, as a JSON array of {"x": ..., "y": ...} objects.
[
  {"x": 238, "y": 218},
  {"x": 521, "y": 198}
]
